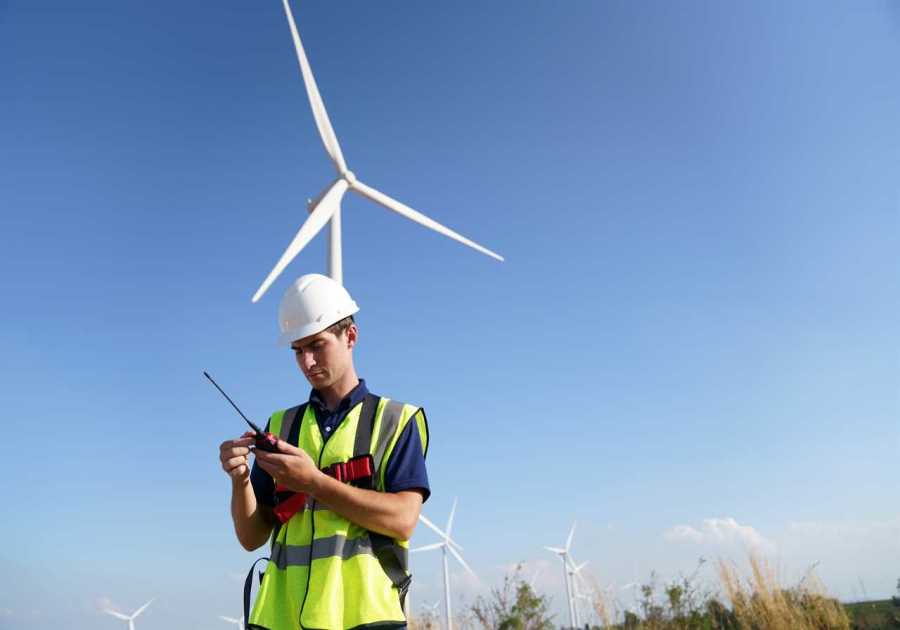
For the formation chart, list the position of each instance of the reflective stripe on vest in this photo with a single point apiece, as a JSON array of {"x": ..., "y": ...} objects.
[
  {"x": 299, "y": 555},
  {"x": 325, "y": 553}
]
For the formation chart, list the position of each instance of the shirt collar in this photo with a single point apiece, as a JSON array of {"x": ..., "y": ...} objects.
[{"x": 349, "y": 401}]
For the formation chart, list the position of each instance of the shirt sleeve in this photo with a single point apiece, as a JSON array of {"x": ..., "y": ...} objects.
[
  {"x": 406, "y": 466},
  {"x": 262, "y": 482}
]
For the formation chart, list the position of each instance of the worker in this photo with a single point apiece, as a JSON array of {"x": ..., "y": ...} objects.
[{"x": 341, "y": 495}]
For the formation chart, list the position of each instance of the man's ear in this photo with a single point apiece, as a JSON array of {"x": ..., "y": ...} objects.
[{"x": 352, "y": 334}]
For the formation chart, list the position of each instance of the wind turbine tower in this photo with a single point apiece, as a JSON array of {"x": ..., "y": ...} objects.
[
  {"x": 447, "y": 545},
  {"x": 327, "y": 206}
]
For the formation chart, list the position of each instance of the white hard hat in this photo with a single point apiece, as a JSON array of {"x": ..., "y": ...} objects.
[{"x": 311, "y": 304}]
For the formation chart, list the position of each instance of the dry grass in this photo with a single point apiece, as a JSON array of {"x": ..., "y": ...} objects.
[
  {"x": 758, "y": 601},
  {"x": 605, "y": 609},
  {"x": 753, "y": 600}
]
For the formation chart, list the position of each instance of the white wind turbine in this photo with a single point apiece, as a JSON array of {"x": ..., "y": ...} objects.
[
  {"x": 238, "y": 622},
  {"x": 129, "y": 618},
  {"x": 566, "y": 559},
  {"x": 446, "y": 545},
  {"x": 578, "y": 583},
  {"x": 327, "y": 206}
]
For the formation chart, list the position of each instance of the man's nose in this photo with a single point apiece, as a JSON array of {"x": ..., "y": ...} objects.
[{"x": 307, "y": 360}]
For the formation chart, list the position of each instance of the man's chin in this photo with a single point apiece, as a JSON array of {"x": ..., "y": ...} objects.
[{"x": 317, "y": 380}]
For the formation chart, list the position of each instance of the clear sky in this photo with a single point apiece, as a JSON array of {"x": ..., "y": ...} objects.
[{"x": 692, "y": 347}]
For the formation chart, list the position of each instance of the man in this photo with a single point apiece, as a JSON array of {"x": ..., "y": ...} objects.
[{"x": 341, "y": 496}]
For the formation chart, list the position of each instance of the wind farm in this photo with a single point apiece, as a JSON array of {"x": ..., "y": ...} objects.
[{"x": 689, "y": 347}]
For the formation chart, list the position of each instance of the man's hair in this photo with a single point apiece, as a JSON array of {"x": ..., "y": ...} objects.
[{"x": 337, "y": 329}]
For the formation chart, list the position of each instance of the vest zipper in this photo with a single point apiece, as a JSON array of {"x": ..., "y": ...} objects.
[
  {"x": 312, "y": 509},
  {"x": 312, "y": 538}
]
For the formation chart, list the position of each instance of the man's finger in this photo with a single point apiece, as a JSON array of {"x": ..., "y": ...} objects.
[
  {"x": 237, "y": 450},
  {"x": 230, "y": 445},
  {"x": 227, "y": 456},
  {"x": 287, "y": 447},
  {"x": 269, "y": 467},
  {"x": 236, "y": 461},
  {"x": 266, "y": 456}
]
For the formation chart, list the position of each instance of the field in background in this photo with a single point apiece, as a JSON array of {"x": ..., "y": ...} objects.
[
  {"x": 744, "y": 600},
  {"x": 883, "y": 613}
]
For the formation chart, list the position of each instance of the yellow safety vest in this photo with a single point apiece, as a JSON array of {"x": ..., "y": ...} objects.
[{"x": 323, "y": 571}]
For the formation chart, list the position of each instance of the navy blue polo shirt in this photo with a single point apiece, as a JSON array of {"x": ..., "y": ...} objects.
[{"x": 405, "y": 468}]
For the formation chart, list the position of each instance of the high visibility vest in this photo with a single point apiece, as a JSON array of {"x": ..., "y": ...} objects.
[{"x": 323, "y": 571}]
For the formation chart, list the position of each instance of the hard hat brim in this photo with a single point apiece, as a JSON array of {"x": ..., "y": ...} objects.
[{"x": 313, "y": 328}]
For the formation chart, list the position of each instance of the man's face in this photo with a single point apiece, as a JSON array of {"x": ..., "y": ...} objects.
[{"x": 324, "y": 358}]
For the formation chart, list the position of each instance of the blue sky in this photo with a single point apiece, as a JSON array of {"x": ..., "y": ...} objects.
[{"x": 692, "y": 346}]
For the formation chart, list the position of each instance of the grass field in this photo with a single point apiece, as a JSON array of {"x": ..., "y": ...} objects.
[
  {"x": 752, "y": 599},
  {"x": 873, "y": 614}
]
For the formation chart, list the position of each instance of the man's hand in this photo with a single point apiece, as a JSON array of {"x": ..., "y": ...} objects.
[
  {"x": 233, "y": 455},
  {"x": 291, "y": 467},
  {"x": 252, "y": 521}
]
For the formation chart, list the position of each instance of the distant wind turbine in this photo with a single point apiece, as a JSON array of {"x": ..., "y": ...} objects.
[
  {"x": 327, "y": 206},
  {"x": 238, "y": 622},
  {"x": 578, "y": 583},
  {"x": 446, "y": 545},
  {"x": 129, "y": 618},
  {"x": 564, "y": 555}
]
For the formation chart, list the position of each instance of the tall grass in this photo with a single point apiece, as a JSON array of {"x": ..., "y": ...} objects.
[
  {"x": 742, "y": 601},
  {"x": 759, "y": 601},
  {"x": 752, "y": 599}
]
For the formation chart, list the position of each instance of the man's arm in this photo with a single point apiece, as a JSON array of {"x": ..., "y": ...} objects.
[
  {"x": 393, "y": 514},
  {"x": 388, "y": 513},
  {"x": 253, "y": 521}
]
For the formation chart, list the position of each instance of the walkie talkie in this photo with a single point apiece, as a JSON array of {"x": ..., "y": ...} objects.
[{"x": 264, "y": 441}]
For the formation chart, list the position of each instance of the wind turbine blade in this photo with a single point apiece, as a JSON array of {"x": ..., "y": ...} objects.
[
  {"x": 450, "y": 520},
  {"x": 229, "y": 619},
  {"x": 317, "y": 219},
  {"x": 427, "y": 547},
  {"x": 437, "y": 529},
  {"x": 141, "y": 609},
  {"x": 315, "y": 99},
  {"x": 418, "y": 217},
  {"x": 569, "y": 539},
  {"x": 455, "y": 544},
  {"x": 556, "y": 549},
  {"x": 116, "y": 614},
  {"x": 461, "y": 561}
]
